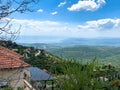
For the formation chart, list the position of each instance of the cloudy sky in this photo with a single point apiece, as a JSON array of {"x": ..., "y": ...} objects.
[{"x": 72, "y": 18}]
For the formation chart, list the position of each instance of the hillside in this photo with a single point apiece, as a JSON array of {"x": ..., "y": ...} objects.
[
  {"x": 102, "y": 53},
  {"x": 106, "y": 50},
  {"x": 35, "y": 57},
  {"x": 70, "y": 72},
  {"x": 42, "y": 46}
]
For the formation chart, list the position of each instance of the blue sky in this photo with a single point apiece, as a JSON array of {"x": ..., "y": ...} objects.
[
  {"x": 109, "y": 10},
  {"x": 71, "y": 18}
]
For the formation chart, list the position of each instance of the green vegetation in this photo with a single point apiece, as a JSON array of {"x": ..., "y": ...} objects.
[
  {"x": 90, "y": 76},
  {"x": 72, "y": 74},
  {"x": 43, "y": 60},
  {"x": 106, "y": 54},
  {"x": 7, "y": 88}
]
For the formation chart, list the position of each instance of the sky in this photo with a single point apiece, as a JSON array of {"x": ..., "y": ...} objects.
[{"x": 71, "y": 19}]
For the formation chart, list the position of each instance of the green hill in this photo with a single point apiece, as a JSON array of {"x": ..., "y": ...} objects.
[
  {"x": 35, "y": 57},
  {"x": 70, "y": 72},
  {"x": 103, "y": 53}
]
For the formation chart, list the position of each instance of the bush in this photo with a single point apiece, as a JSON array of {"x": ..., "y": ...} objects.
[
  {"x": 7, "y": 88},
  {"x": 77, "y": 76}
]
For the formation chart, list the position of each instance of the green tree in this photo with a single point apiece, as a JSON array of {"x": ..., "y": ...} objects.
[{"x": 77, "y": 76}]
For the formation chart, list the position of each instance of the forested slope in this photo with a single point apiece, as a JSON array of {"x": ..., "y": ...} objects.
[{"x": 102, "y": 53}]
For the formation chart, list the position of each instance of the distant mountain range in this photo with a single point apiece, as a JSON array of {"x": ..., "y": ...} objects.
[
  {"x": 92, "y": 41},
  {"x": 76, "y": 42},
  {"x": 105, "y": 49}
]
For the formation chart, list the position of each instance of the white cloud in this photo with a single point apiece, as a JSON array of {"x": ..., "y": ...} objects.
[
  {"x": 102, "y": 24},
  {"x": 34, "y": 27},
  {"x": 40, "y": 10},
  {"x": 97, "y": 28},
  {"x": 88, "y": 5},
  {"x": 62, "y": 4},
  {"x": 54, "y": 13}
]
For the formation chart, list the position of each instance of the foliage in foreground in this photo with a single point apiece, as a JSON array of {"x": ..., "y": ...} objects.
[{"x": 77, "y": 76}]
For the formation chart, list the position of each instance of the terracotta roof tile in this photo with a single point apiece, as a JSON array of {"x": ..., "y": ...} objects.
[
  {"x": 10, "y": 52},
  {"x": 10, "y": 59}
]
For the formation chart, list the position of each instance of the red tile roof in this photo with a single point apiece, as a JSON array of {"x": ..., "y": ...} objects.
[
  {"x": 10, "y": 52},
  {"x": 10, "y": 59}
]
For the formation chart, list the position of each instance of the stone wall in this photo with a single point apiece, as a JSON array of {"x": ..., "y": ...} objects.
[{"x": 14, "y": 76}]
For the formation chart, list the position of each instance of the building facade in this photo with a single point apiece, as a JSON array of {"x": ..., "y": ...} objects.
[{"x": 11, "y": 69}]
